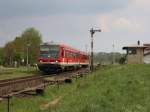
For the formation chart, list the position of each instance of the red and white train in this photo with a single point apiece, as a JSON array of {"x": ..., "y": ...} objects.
[{"x": 55, "y": 57}]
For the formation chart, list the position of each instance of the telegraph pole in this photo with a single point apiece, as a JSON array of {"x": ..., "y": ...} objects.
[
  {"x": 113, "y": 54},
  {"x": 92, "y": 31},
  {"x": 86, "y": 48},
  {"x": 28, "y": 45}
]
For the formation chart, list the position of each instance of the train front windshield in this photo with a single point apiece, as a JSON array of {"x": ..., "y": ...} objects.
[{"x": 49, "y": 52}]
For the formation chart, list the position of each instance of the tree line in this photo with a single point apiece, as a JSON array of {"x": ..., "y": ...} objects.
[
  {"x": 104, "y": 58},
  {"x": 22, "y": 47}
]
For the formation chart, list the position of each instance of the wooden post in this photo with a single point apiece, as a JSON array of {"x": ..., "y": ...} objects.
[{"x": 8, "y": 103}]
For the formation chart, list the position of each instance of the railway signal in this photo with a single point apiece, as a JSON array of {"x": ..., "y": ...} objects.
[{"x": 92, "y": 31}]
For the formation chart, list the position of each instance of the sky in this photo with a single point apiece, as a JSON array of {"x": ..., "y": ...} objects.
[{"x": 123, "y": 22}]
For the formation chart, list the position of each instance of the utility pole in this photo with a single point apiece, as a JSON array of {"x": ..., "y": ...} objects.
[
  {"x": 113, "y": 54},
  {"x": 86, "y": 48},
  {"x": 8, "y": 103},
  {"x": 92, "y": 31},
  {"x": 28, "y": 45}
]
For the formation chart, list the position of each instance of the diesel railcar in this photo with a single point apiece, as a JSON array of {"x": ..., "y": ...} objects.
[{"x": 54, "y": 57}]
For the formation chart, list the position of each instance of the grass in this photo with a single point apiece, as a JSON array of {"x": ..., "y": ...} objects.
[
  {"x": 121, "y": 88},
  {"x": 8, "y": 73}
]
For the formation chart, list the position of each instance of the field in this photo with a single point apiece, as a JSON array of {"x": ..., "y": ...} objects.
[{"x": 120, "y": 88}]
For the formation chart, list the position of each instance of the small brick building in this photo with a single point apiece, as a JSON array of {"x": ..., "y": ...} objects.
[{"x": 135, "y": 54}]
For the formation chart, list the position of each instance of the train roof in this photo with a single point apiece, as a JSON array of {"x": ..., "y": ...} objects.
[{"x": 65, "y": 46}]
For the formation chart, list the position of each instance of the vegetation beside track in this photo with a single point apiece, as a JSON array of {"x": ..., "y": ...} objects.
[
  {"x": 121, "y": 88},
  {"x": 8, "y": 73}
]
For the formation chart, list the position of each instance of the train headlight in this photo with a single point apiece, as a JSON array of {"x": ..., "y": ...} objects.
[
  {"x": 56, "y": 61},
  {"x": 41, "y": 61}
]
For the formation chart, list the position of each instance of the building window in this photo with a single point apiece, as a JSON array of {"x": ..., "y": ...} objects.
[{"x": 132, "y": 51}]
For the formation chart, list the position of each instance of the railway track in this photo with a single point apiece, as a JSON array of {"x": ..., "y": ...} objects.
[{"x": 37, "y": 83}]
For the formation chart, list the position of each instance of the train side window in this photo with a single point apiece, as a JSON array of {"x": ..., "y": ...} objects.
[
  {"x": 62, "y": 53},
  {"x": 74, "y": 55},
  {"x": 66, "y": 53}
]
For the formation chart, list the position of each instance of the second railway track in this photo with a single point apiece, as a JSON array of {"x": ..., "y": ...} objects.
[{"x": 10, "y": 87}]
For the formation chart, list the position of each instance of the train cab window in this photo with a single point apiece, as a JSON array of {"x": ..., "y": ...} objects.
[
  {"x": 44, "y": 55},
  {"x": 49, "y": 51},
  {"x": 44, "y": 52},
  {"x": 54, "y": 52},
  {"x": 44, "y": 49}
]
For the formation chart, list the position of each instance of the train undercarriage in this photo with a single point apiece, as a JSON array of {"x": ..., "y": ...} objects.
[{"x": 56, "y": 68}]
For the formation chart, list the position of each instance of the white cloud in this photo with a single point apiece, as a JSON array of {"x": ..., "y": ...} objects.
[
  {"x": 103, "y": 22},
  {"x": 127, "y": 25},
  {"x": 141, "y": 2},
  {"x": 141, "y": 6},
  {"x": 114, "y": 23},
  {"x": 123, "y": 24}
]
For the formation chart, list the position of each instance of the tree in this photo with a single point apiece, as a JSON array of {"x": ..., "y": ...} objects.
[
  {"x": 122, "y": 60},
  {"x": 9, "y": 53},
  {"x": 1, "y": 56},
  {"x": 107, "y": 58},
  {"x": 16, "y": 50},
  {"x": 31, "y": 41}
]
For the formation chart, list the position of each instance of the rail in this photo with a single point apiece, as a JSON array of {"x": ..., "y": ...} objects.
[{"x": 18, "y": 85}]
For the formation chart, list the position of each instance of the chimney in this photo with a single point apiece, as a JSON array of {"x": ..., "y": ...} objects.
[{"x": 138, "y": 42}]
